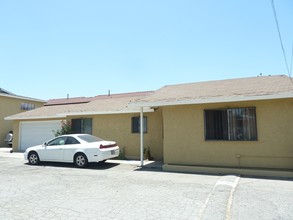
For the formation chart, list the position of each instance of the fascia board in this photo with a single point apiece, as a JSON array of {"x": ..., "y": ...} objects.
[
  {"x": 23, "y": 98},
  {"x": 105, "y": 112},
  {"x": 64, "y": 115},
  {"x": 9, "y": 118}
]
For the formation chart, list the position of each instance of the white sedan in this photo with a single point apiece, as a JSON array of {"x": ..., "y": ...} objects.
[{"x": 76, "y": 148}]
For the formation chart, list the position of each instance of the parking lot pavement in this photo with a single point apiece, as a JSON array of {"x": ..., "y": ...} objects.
[
  {"x": 263, "y": 199},
  {"x": 125, "y": 191},
  {"x": 6, "y": 152}
]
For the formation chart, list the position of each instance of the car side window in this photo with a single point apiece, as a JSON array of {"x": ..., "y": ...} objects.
[
  {"x": 57, "y": 141},
  {"x": 71, "y": 140}
]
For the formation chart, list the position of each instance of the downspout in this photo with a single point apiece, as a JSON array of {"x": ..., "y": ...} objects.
[{"x": 141, "y": 136}]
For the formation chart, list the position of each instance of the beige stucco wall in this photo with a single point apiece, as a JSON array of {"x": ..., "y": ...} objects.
[
  {"x": 117, "y": 127},
  {"x": 15, "y": 144},
  {"x": 11, "y": 106},
  {"x": 184, "y": 142}
]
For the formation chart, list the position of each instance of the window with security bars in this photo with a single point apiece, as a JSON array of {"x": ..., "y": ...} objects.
[{"x": 235, "y": 124}]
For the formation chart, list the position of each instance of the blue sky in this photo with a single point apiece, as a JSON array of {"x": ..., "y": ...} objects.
[{"x": 52, "y": 48}]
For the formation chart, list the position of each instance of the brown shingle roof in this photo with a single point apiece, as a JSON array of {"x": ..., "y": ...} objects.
[
  {"x": 220, "y": 91},
  {"x": 109, "y": 104},
  {"x": 68, "y": 101},
  {"x": 253, "y": 88},
  {"x": 80, "y": 100},
  {"x": 104, "y": 104}
]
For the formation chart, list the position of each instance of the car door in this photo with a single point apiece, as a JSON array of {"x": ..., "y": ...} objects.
[
  {"x": 54, "y": 150},
  {"x": 69, "y": 149}
]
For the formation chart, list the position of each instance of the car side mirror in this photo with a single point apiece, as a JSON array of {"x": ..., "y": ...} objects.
[{"x": 45, "y": 144}]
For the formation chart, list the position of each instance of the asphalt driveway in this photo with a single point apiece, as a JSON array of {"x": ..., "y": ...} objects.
[{"x": 124, "y": 191}]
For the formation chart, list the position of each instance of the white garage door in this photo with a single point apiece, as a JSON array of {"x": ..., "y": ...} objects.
[{"x": 37, "y": 132}]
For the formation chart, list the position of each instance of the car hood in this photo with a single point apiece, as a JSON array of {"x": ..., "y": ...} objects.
[{"x": 37, "y": 147}]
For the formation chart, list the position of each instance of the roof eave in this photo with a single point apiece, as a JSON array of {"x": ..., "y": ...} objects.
[
  {"x": 64, "y": 115},
  {"x": 107, "y": 112},
  {"x": 9, "y": 118},
  {"x": 213, "y": 100},
  {"x": 23, "y": 98}
]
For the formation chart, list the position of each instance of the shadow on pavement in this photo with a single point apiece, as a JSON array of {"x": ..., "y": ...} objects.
[
  {"x": 151, "y": 166},
  {"x": 90, "y": 166}
]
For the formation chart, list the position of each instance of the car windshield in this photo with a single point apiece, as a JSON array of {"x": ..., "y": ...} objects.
[{"x": 90, "y": 138}]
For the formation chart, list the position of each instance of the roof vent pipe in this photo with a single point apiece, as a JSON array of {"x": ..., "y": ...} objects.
[
  {"x": 67, "y": 96},
  {"x": 109, "y": 92}
]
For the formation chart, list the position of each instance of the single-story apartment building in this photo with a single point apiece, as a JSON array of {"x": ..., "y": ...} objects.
[
  {"x": 13, "y": 104},
  {"x": 105, "y": 116},
  {"x": 236, "y": 125}
]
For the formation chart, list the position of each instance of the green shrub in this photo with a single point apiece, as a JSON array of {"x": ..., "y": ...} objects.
[{"x": 65, "y": 129}]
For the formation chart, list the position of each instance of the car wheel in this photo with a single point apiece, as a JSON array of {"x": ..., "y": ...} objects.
[
  {"x": 80, "y": 160},
  {"x": 33, "y": 158}
]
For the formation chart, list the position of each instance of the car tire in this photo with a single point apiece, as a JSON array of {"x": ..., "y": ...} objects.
[
  {"x": 80, "y": 160},
  {"x": 33, "y": 158}
]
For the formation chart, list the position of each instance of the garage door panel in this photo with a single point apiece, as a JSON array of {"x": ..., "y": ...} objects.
[{"x": 36, "y": 133}]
